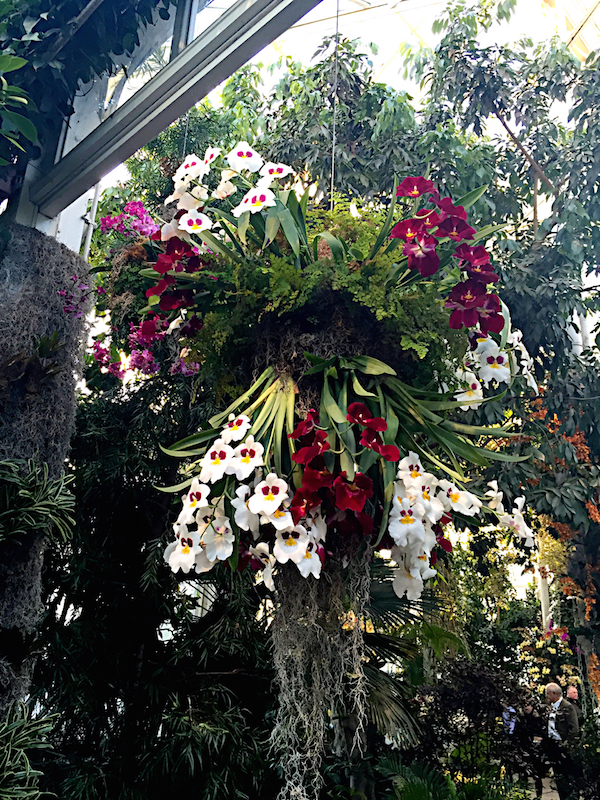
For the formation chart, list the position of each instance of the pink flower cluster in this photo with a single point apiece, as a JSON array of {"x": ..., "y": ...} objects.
[
  {"x": 102, "y": 358},
  {"x": 74, "y": 299},
  {"x": 144, "y": 361},
  {"x": 134, "y": 219}
]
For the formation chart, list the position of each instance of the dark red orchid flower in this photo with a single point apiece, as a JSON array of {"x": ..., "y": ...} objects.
[
  {"x": 161, "y": 286},
  {"x": 455, "y": 228},
  {"x": 422, "y": 254},
  {"x": 358, "y": 413},
  {"x": 315, "y": 479},
  {"x": 306, "y": 454},
  {"x": 429, "y": 218},
  {"x": 178, "y": 299},
  {"x": 490, "y": 318},
  {"x": 306, "y": 425},
  {"x": 192, "y": 326},
  {"x": 370, "y": 438},
  {"x": 163, "y": 263},
  {"x": 464, "y": 299},
  {"x": 484, "y": 273},
  {"x": 476, "y": 256},
  {"x": 407, "y": 229},
  {"x": 352, "y": 495},
  {"x": 302, "y": 502},
  {"x": 450, "y": 210},
  {"x": 414, "y": 187}
]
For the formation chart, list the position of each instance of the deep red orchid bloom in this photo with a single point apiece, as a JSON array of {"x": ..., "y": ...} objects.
[
  {"x": 429, "y": 218},
  {"x": 163, "y": 263},
  {"x": 370, "y": 438},
  {"x": 161, "y": 286},
  {"x": 450, "y": 210},
  {"x": 464, "y": 299},
  {"x": 302, "y": 502},
  {"x": 490, "y": 319},
  {"x": 422, "y": 254},
  {"x": 306, "y": 425},
  {"x": 455, "y": 228},
  {"x": 177, "y": 299},
  {"x": 315, "y": 479},
  {"x": 358, "y": 413},
  {"x": 306, "y": 454},
  {"x": 483, "y": 272},
  {"x": 352, "y": 495},
  {"x": 407, "y": 229},
  {"x": 476, "y": 256},
  {"x": 414, "y": 187}
]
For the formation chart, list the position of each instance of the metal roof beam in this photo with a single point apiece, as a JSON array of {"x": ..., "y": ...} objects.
[{"x": 217, "y": 53}]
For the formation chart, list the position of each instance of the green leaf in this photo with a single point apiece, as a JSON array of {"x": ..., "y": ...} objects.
[
  {"x": 172, "y": 489},
  {"x": 242, "y": 225},
  {"x": 358, "y": 389},
  {"x": 272, "y": 225},
  {"x": 387, "y": 226},
  {"x": 507, "y": 324},
  {"x": 218, "y": 246},
  {"x": 337, "y": 248},
  {"x": 471, "y": 197},
  {"x": 194, "y": 439},
  {"x": 370, "y": 366},
  {"x": 9, "y": 63},
  {"x": 334, "y": 411},
  {"x": 22, "y": 124},
  {"x": 289, "y": 229}
]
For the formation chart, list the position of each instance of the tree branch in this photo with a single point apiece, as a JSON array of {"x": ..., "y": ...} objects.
[{"x": 527, "y": 155}]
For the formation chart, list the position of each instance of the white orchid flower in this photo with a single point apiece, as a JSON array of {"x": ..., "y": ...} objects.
[
  {"x": 291, "y": 545},
  {"x": 243, "y": 517},
  {"x": 405, "y": 522},
  {"x": 195, "y": 221},
  {"x": 218, "y": 539},
  {"x": 455, "y": 499},
  {"x": 255, "y": 200},
  {"x": 247, "y": 456},
  {"x": 268, "y": 495},
  {"x": 494, "y": 366},
  {"x": 193, "y": 500},
  {"x": 273, "y": 171},
  {"x": 405, "y": 584},
  {"x": 236, "y": 428},
  {"x": 215, "y": 462},
  {"x": 223, "y": 190},
  {"x": 410, "y": 467},
  {"x": 188, "y": 202},
  {"x": 180, "y": 555},
  {"x": 244, "y": 157},
  {"x": 310, "y": 563}
]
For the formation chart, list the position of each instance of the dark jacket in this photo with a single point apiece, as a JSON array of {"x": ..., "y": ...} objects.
[{"x": 567, "y": 723}]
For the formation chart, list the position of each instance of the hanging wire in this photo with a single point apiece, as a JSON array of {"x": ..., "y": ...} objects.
[
  {"x": 185, "y": 135},
  {"x": 335, "y": 103}
]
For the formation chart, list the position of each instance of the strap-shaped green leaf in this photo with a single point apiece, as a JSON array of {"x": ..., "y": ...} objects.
[
  {"x": 387, "y": 226},
  {"x": 289, "y": 229},
  {"x": 218, "y": 246},
  {"x": 371, "y": 366},
  {"x": 472, "y": 197}
]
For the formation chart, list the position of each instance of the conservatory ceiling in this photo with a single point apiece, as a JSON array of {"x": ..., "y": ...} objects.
[{"x": 183, "y": 59}]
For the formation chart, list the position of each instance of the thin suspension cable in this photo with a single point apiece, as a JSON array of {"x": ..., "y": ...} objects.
[{"x": 335, "y": 103}]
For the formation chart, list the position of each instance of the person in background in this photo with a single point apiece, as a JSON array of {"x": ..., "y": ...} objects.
[
  {"x": 573, "y": 698},
  {"x": 562, "y": 732}
]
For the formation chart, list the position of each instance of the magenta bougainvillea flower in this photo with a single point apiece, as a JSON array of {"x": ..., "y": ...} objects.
[
  {"x": 407, "y": 229},
  {"x": 414, "y": 187}
]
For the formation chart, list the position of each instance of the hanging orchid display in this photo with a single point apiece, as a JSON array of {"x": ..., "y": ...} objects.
[{"x": 340, "y": 448}]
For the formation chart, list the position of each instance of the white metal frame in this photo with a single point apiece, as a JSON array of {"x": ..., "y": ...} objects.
[{"x": 226, "y": 45}]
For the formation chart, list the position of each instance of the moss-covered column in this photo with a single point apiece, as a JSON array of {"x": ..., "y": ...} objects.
[{"x": 40, "y": 362}]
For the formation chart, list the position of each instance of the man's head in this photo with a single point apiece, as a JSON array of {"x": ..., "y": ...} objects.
[
  {"x": 572, "y": 693},
  {"x": 553, "y": 692}
]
